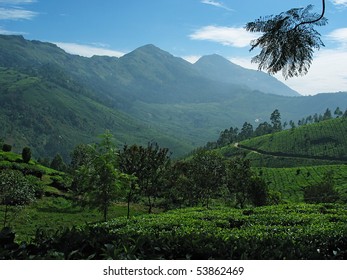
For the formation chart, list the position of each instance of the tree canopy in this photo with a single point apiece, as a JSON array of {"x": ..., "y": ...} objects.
[{"x": 288, "y": 40}]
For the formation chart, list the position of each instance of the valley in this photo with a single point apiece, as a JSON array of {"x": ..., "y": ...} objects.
[
  {"x": 145, "y": 95},
  {"x": 148, "y": 156}
]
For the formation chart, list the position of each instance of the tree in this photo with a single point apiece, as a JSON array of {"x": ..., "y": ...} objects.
[
  {"x": 15, "y": 190},
  {"x": 101, "y": 179},
  {"x": 6, "y": 148},
  {"x": 81, "y": 155},
  {"x": 178, "y": 189},
  {"x": 207, "y": 172},
  {"x": 243, "y": 184},
  {"x": 276, "y": 121},
  {"x": 58, "y": 163},
  {"x": 323, "y": 192},
  {"x": 288, "y": 40},
  {"x": 131, "y": 162},
  {"x": 258, "y": 192},
  {"x": 155, "y": 162},
  {"x": 338, "y": 113},
  {"x": 238, "y": 179},
  {"x": 26, "y": 154},
  {"x": 246, "y": 131},
  {"x": 292, "y": 124},
  {"x": 263, "y": 128},
  {"x": 327, "y": 114}
]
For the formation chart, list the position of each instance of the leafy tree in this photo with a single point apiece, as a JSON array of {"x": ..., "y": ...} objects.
[
  {"x": 101, "y": 179},
  {"x": 243, "y": 184},
  {"x": 131, "y": 162},
  {"x": 238, "y": 179},
  {"x": 323, "y": 192},
  {"x": 292, "y": 124},
  {"x": 288, "y": 40},
  {"x": 258, "y": 192},
  {"x": 6, "y": 148},
  {"x": 15, "y": 190},
  {"x": 327, "y": 114},
  {"x": 58, "y": 163},
  {"x": 178, "y": 189},
  {"x": 246, "y": 131},
  {"x": 338, "y": 113},
  {"x": 227, "y": 136},
  {"x": 263, "y": 128},
  {"x": 156, "y": 160},
  {"x": 276, "y": 121},
  {"x": 207, "y": 172},
  {"x": 81, "y": 155},
  {"x": 26, "y": 154}
]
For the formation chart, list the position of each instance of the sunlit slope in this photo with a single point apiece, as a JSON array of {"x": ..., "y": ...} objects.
[{"x": 323, "y": 140}]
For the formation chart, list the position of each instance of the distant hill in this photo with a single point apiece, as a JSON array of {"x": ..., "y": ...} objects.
[
  {"x": 319, "y": 143},
  {"x": 218, "y": 68},
  {"x": 326, "y": 139},
  {"x": 51, "y": 100}
]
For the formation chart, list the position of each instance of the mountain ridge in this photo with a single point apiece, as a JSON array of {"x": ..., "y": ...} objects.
[
  {"x": 146, "y": 95},
  {"x": 218, "y": 68}
]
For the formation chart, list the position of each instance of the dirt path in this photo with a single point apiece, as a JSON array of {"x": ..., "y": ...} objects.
[{"x": 285, "y": 155}]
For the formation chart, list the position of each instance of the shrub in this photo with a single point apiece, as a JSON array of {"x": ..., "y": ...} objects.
[
  {"x": 323, "y": 192},
  {"x": 26, "y": 154},
  {"x": 6, "y": 148}
]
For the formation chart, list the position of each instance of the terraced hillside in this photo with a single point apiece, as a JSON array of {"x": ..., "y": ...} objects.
[{"x": 325, "y": 140}]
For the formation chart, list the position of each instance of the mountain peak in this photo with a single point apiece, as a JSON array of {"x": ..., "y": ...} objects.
[
  {"x": 218, "y": 68},
  {"x": 150, "y": 49},
  {"x": 212, "y": 57},
  {"x": 216, "y": 62}
]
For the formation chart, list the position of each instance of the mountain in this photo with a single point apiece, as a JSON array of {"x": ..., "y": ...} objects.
[
  {"x": 217, "y": 68},
  {"x": 51, "y": 100}
]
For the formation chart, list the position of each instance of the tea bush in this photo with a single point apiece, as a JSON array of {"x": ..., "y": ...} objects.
[{"x": 297, "y": 231}]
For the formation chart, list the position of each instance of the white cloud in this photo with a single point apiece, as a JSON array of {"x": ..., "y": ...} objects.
[
  {"x": 228, "y": 36},
  {"x": 86, "y": 50},
  {"x": 340, "y": 2},
  {"x": 16, "y": 14},
  {"x": 339, "y": 36},
  {"x": 216, "y": 4},
  {"x": 328, "y": 72},
  {"x": 192, "y": 58}
]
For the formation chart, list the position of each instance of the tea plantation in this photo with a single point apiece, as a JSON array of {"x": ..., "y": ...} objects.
[{"x": 295, "y": 231}]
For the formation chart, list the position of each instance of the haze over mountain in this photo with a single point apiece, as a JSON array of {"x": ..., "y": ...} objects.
[
  {"x": 220, "y": 69},
  {"x": 52, "y": 100}
]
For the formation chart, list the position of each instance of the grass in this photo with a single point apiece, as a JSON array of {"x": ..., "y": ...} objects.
[
  {"x": 326, "y": 140},
  {"x": 53, "y": 213},
  {"x": 291, "y": 181}
]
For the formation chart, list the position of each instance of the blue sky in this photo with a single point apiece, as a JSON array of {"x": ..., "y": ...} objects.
[{"x": 185, "y": 28}]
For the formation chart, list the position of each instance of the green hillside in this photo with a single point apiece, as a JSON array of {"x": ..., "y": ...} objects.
[
  {"x": 281, "y": 232},
  {"x": 52, "y": 118},
  {"x": 52, "y": 100},
  {"x": 290, "y": 182},
  {"x": 325, "y": 140}
]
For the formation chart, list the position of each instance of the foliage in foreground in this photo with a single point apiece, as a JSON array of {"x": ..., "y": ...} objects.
[{"x": 297, "y": 231}]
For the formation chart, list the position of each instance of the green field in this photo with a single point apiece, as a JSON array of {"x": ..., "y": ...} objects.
[
  {"x": 291, "y": 181},
  {"x": 295, "y": 231},
  {"x": 325, "y": 140},
  {"x": 54, "y": 213}
]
